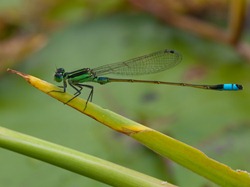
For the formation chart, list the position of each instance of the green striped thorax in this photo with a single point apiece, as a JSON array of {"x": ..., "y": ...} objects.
[{"x": 75, "y": 77}]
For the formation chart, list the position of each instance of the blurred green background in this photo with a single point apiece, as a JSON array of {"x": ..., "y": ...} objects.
[{"x": 79, "y": 34}]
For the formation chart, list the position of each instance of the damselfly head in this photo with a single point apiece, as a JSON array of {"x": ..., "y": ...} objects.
[{"x": 58, "y": 76}]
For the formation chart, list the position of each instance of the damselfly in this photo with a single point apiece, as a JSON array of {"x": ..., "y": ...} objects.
[{"x": 147, "y": 64}]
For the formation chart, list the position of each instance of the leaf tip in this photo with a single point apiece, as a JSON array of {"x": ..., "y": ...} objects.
[{"x": 18, "y": 73}]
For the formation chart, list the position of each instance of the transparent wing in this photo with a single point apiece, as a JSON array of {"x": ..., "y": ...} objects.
[{"x": 151, "y": 63}]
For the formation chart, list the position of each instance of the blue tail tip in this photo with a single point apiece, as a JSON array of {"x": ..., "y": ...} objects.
[{"x": 232, "y": 87}]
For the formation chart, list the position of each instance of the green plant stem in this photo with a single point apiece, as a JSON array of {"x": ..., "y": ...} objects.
[{"x": 75, "y": 161}]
